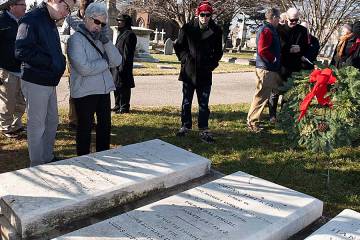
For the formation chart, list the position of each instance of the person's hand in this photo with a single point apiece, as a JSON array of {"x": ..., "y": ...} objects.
[
  {"x": 103, "y": 35},
  {"x": 295, "y": 49}
]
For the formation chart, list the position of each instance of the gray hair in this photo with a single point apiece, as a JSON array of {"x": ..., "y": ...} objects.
[
  {"x": 272, "y": 12},
  {"x": 292, "y": 12},
  {"x": 96, "y": 9}
]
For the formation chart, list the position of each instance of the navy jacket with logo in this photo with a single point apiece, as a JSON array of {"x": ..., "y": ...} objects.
[{"x": 38, "y": 47}]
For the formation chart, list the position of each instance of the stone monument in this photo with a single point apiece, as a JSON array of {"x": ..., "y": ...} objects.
[
  {"x": 36, "y": 200},
  {"x": 142, "y": 53},
  {"x": 235, "y": 207},
  {"x": 346, "y": 225}
]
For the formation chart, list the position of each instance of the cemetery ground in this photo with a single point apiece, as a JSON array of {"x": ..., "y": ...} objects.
[
  {"x": 266, "y": 155},
  {"x": 171, "y": 60}
]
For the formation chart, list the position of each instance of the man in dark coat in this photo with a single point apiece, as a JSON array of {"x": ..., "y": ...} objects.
[
  {"x": 294, "y": 45},
  {"x": 123, "y": 75},
  {"x": 313, "y": 50},
  {"x": 199, "y": 48},
  {"x": 12, "y": 103}
]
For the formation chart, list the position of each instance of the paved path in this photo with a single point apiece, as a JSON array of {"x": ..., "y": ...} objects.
[{"x": 166, "y": 90}]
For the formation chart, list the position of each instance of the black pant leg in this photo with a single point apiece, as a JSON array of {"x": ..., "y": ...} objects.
[
  {"x": 85, "y": 109},
  {"x": 188, "y": 94},
  {"x": 103, "y": 126},
  {"x": 203, "y": 96},
  {"x": 124, "y": 99},
  {"x": 117, "y": 94},
  {"x": 273, "y": 103}
]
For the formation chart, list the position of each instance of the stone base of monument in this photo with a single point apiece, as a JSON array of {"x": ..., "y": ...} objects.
[
  {"x": 346, "y": 225},
  {"x": 9, "y": 232},
  {"x": 37, "y": 200},
  {"x": 164, "y": 66},
  {"x": 238, "y": 206},
  {"x": 145, "y": 58}
]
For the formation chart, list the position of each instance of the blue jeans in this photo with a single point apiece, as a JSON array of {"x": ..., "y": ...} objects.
[{"x": 203, "y": 94}]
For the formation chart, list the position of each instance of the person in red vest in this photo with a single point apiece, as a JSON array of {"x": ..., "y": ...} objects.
[{"x": 267, "y": 67}]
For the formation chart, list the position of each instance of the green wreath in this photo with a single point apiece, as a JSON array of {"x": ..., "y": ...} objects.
[{"x": 323, "y": 128}]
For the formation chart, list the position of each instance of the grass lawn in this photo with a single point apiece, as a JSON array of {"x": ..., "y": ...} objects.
[
  {"x": 152, "y": 69},
  {"x": 265, "y": 155}
]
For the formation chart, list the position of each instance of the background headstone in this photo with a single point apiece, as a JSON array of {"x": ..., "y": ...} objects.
[
  {"x": 346, "y": 225},
  {"x": 169, "y": 47}
]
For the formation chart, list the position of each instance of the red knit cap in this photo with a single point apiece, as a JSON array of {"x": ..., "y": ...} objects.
[{"x": 204, "y": 6}]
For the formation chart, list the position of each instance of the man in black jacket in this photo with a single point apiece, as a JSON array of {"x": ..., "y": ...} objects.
[
  {"x": 199, "y": 48},
  {"x": 38, "y": 47},
  {"x": 352, "y": 49},
  {"x": 123, "y": 75},
  {"x": 12, "y": 104},
  {"x": 294, "y": 45}
]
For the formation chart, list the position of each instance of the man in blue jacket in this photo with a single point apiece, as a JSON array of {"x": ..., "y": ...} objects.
[
  {"x": 38, "y": 47},
  {"x": 267, "y": 67},
  {"x": 12, "y": 104}
]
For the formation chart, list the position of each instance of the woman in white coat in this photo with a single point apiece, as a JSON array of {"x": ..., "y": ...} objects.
[{"x": 91, "y": 55}]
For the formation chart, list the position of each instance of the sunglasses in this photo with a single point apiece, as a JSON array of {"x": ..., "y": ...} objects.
[
  {"x": 205, "y": 14},
  {"x": 20, "y": 4},
  {"x": 98, "y": 22},
  {"x": 68, "y": 8},
  {"x": 294, "y": 20}
]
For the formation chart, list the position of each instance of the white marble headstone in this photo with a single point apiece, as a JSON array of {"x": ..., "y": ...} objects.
[
  {"x": 169, "y": 47},
  {"x": 235, "y": 207},
  {"x": 35, "y": 200},
  {"x": 345, "y": 226}
]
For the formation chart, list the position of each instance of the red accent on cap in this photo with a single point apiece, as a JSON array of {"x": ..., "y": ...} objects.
[{"x": 204, "y": 6}]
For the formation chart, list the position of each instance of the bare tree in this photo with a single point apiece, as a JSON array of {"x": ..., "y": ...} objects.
[
  {"x": 182, "y": 11},
  {"x": 325, "y": 16}
]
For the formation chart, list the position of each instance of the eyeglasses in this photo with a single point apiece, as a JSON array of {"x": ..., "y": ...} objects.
[
  {"x": 205, "y": 14},
  {"x": 20, "y": 4},
  {"x": 98, "y": 22},
  {"x": 294, "y": 20},
  {"x": 68, "y": 8}
]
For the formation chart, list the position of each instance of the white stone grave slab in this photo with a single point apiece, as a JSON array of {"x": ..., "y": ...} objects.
[
  {"x": 35, "y": 200},
  {"x": 346, "y": 225},
  {"x": 235, "y": 207}
]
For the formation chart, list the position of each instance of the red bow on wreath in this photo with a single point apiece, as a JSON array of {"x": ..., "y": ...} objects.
[{"x": 321, "y": 78}]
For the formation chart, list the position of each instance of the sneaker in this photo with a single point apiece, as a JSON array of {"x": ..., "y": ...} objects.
[
  {"x": 121, "y": 111},
  {"x": 272, "y": 120},
  {"x": 182, "y": 132},
  {"x": 254, "y": 128},
  {"x": 206, "y": 136},
  {"x": 55, "y": 159},
  {"x": 21, "y": 130},
  {"x": 115, "y": 109},
  {"x": 72, "y": 126},
  {"x": 11, "y": 135}
]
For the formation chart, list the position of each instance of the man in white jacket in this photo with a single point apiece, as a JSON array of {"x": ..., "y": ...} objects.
[{"x": 91, "y": 55}]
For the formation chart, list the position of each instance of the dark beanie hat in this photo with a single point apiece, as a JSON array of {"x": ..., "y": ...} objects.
[
  {"x": 126, "y": 18},
  {"x": 356, "y": 29}
]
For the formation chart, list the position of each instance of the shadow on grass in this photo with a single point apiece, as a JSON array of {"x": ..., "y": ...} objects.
[{"x": 266, "y": 155}]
